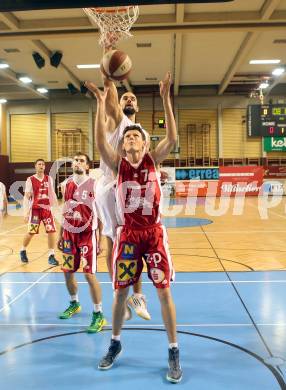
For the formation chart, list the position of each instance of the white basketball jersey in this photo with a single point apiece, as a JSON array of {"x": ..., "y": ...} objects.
[{"x": 114, "y": 140}]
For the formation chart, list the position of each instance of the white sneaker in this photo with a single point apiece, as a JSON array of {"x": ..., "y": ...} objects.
[
  {"x": 127, "y": 313},
  {"x": 138, "y": 304}
]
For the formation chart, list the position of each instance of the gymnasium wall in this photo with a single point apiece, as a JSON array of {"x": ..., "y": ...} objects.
[
  {"x": 72, "y": 120},
  {"x": 31, "y": 124},
  {"x": 4, "y": 170}
]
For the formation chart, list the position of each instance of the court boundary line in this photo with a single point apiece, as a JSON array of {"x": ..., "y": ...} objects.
[
  {"x": 179, "y": 282},
  {"x": 8, "y": 231},
  {"x": 7, "y": 305},
  {"x": 278, "y": 375},
  {"x": 240, "y": 299},
  {"x": 131, "y": 326}
]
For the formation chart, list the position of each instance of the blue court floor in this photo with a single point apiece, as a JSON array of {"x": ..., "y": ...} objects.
[{"x": 232, "y": 334}]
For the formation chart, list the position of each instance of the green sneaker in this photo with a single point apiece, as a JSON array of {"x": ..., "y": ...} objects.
[
  {"x": 73, "y": 308},
  {"x": 97, "y": 323}
]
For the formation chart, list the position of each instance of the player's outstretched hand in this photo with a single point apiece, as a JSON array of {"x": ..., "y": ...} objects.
[
  {"x": 165, "y": 86},
  {"x": 100, "y": 95}
]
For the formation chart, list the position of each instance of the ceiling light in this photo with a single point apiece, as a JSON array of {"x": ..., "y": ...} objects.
[
  {"x": 42, "y": 90},
  {"x": 3, "y": 65},
  {"x": 264, "y": 85},
  {"x": 88, "y": 66},
  {"x": 25, "y": 79},
  {"x": 278, "y": 71},
  {"x": 262, "y": 62},
  {"x": 2, "y": 101}
]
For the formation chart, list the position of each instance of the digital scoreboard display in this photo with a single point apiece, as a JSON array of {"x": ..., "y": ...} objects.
[{"x": 266, "y": 120}]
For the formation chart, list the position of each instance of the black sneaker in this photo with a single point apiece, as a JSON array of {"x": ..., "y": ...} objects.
[
  {"x": 113, "y": 351},
  {"x": 175, "y": 372},
  {"x": 52, "y": 260},
  {"x": 23, "y": 256}
]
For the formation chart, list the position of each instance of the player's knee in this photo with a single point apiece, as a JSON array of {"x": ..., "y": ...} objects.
[
  {"x": 90, "y": 278},
  {"x": 121, "y": 294},
  {"x": 164, "y": 295}
]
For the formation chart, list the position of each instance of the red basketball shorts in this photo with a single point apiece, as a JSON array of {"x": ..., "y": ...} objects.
[
  {"x": 79, "y": 248},
  {"x": 131, "y": 247},
  {"x": 41, "y": 215}
]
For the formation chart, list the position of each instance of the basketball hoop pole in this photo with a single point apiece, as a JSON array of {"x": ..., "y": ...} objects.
[{"x": 261, "y": 96}]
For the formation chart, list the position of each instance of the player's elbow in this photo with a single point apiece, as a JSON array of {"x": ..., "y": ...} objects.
[{"x": 172, "y": 139}]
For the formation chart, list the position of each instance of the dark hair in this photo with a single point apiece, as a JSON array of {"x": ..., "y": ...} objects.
[
  {"x": 39, "y": 159},
  {"x": 134, "y": 127},
  {"x": 88, "y": 160}
]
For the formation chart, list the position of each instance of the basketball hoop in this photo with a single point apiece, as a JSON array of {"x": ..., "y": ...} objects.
[{"x": 114, "y": 23}]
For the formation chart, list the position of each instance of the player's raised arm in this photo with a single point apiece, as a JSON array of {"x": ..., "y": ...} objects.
[
  {"x": 113, "y": 110},
  {"x": 167, "y": 144},
  {"x": 108, "y": 154}
]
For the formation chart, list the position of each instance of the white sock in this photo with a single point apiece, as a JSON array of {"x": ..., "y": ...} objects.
[
  {"x": 23, "y": 248},
  {"x": 173, "y": 345},
  {"x": 117, "y": 338},
  {"x": 97, "y": 307},
  {"x": 51, "y": 252},
  {"x": 74, "y": 297}
]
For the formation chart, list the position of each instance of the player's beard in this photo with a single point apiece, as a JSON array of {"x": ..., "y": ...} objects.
[
  {"x": 129, "y": 110},
  {"x": 78, "y": 171}
]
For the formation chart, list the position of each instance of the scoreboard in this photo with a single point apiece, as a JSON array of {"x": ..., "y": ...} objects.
[{"x": 266, "y": 120}]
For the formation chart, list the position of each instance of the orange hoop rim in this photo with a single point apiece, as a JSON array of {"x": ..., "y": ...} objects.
[{"x": 110, "y": 10}]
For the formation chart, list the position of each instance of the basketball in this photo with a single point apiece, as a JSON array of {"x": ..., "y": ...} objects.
[{"x": 116, "y": 65}]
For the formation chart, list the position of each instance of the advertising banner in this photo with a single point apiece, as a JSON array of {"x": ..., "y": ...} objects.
[
  {"x": 275, "y": 171},
  {"x": 231, "y": 181},
  {"x": 274, "y": 144},
  {"x": 274, "y": 187}
]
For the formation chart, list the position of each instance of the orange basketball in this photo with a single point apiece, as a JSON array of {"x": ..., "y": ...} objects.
[{"x": 116, "y": 64}]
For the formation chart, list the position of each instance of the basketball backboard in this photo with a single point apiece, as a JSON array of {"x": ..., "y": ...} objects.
[{"x": 26, "y": 5}]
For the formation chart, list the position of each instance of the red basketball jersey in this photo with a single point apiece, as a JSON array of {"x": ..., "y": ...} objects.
[
  {"x": 42, "y": 192},
  {"x": 79, "y": 208},
  {"x": 138, "y": 193}
]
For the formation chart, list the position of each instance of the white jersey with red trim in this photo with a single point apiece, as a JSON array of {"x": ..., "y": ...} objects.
[
  {"x": 114, "y": 140},
  {"x": 138, "y": 193},
  {"x": 42, "y": 191}
]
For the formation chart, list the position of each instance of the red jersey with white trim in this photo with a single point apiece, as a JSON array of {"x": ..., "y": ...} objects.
[
  {"x": 42, "y": 191},
  {"x": 79, "y": 208},
  {"x": 138, "y": 193}
]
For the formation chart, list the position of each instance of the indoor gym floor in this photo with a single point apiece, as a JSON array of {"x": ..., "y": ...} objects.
[{"x": 231, "y": 311}]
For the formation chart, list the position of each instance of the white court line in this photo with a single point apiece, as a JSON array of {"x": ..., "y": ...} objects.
[
  {"x": 270, "y": 211},
  {"x": 22, "y": 293},
  {"x": 150, "y": 325},
  {"x": 8, "y": 231},
  {"x": 234, "y": 232},
  {"x": 180, "y": 282}
]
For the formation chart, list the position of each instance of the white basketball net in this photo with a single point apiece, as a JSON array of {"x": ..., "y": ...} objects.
[{"x": 114, "y": 23}]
